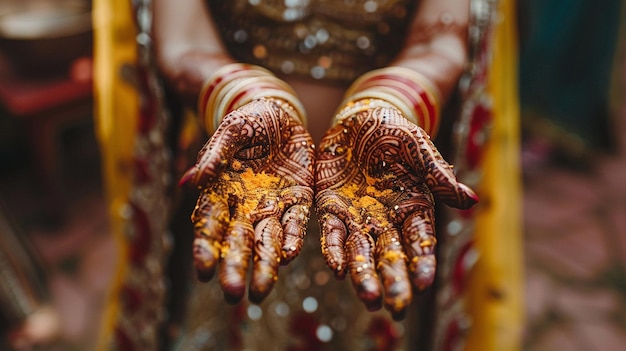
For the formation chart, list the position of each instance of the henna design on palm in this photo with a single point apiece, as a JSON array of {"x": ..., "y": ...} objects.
[
  {"x": 377, "y": 177},
  {"x": 256, "y": 177}
]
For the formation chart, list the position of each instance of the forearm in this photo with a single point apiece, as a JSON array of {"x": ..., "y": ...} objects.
[
  {"x": 423, "y": 76},
  {"x": 437, "y": 44},
  {"x": 188, "y": 48}
]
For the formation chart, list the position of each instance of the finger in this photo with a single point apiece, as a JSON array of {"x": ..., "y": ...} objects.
[
  {"x": 419, "y": 244},
  {"x": 333, "y": 237},
  {"x": 298, "y": 200},
  {"x": 294, "y": 224},
  {"x": 297, "y": 194},
  {"x": 236, "y": 252},
  {"x": 391, "y": 262},
  {"x": 359, "y": 252},
  {"x": 440, "y": 177},
  {"x": 209, "y": 218},
  {"x": 272, "y": 205},
  {"x": 334, "y": 162},
  {"x": 233, "y": 133},
  {"x": 267, "y": 251}
]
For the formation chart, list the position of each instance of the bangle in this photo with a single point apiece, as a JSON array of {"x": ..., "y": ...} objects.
[
  {"x": 413, "y": 94},
  {"x": 223, "y": 74},
  {"x": 296, "y": 110},
  {"x": 237, "y": 84},
  {"x": 360, "y": 103},
  {"x": 390, "y": 97}
]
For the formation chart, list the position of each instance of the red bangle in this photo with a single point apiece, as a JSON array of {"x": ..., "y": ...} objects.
[
  {"x": 413, "y": 94},
  {"x": 221, "y": 75},
  {"x": 412, "y": 86},
  {"x": 237, "y": 84}
]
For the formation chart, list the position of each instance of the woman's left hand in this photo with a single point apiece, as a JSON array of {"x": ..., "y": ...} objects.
[{"x": 377, "y": 177}]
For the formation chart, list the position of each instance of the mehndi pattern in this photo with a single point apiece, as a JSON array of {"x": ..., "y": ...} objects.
[
  {"x": 256, "y": 176},
  {"x": 378, "y": 176}
]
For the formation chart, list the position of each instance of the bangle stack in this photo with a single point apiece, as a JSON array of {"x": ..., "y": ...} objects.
[
  {"x": 408, "y": 91},
  {"x": 237, "y": 84}
]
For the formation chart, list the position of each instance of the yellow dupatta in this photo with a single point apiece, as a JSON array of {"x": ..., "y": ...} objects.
[
  {"x": 495, "y": 296},
  {"x": 116, "y": 107}
]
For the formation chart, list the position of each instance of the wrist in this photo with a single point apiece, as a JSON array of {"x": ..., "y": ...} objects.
[
  {"x": 406, "y": 90},
  {"x": 235, "y": 85}
]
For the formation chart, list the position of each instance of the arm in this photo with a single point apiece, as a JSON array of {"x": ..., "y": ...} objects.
[
  {"x": 378, "y": 172},
  {"x": 427, "y": 70},
  {"x": 255, "y": 171},
  {"x": 437, "y": 43},
  {"x": 188, "y": 47}
]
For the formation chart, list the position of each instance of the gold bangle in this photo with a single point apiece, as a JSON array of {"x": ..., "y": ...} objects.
[
  {"x": 233, "y": 85},
  {"x": 216, "y": 83},
  {"x": 221, "y": 89},
  {"x": 298, "y": 113},
  {"x": 360, "y": 104},
  {"x": 246, "y": 90},
  {"x": 404, "y": 72},
  {"x": 390, "y": 98},
  {"x": 218, "y": 76},
  {"x": 227, "y": 99},
  {"x": 413, "y": 110},
  {"x": 412, "y": 93}
]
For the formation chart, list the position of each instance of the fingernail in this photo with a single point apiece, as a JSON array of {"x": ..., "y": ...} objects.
[
  {"x": 189, "y": 174},
  {"x": 205, "y": 275},
  {"x": 234, "y": 293},
  {"x": 233, "y": 299},
  {"x": 369, "y": 293},
  {"x": 258, "y": 293},
  {"x": 473, "y": 196}
]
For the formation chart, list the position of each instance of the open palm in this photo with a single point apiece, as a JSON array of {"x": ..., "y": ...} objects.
[
  {"x": 377, "y": 178},
  {"x": 256, "y": 177}
]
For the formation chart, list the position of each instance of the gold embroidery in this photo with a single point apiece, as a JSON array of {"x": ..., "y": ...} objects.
[{"x": 319, "y": 39}]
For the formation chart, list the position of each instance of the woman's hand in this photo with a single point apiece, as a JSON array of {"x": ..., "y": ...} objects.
[
  {"x": 377, "y": 177},
  {"x": 256, "y": 178}
]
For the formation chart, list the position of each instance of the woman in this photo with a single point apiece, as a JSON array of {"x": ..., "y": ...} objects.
[{"x": 374, "y": 173}]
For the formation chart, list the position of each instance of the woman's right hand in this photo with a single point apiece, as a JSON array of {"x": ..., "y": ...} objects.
[{"x": 256, "y": 179}]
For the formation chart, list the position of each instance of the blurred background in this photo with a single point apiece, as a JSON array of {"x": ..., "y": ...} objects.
[{"x": 572, "y": 78}]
